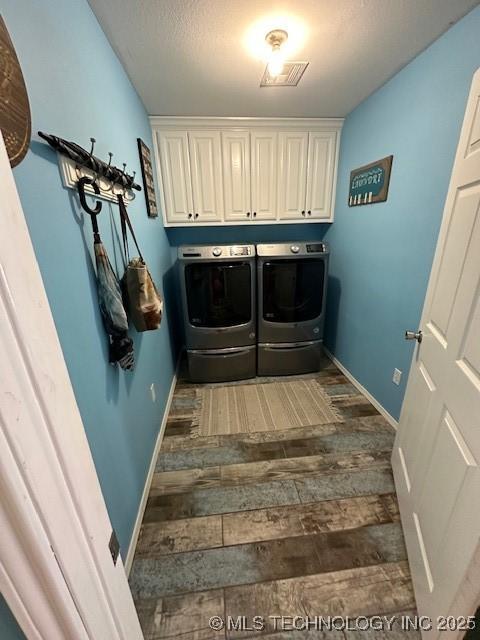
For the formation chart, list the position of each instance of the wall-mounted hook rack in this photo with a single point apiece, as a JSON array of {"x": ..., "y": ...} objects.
[{"x": 75, "y": 162}]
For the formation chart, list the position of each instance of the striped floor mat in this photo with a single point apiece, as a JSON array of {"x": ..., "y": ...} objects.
[{"x": 263, "y": 407}]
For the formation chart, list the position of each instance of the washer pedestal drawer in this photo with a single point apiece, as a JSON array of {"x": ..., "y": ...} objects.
[
  {"x": 289, "y": 358},
  {"x": 222, "y": 365}
]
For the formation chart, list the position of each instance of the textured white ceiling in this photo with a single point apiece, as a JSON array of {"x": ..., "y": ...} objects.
[{"x": 191, "y": 57}]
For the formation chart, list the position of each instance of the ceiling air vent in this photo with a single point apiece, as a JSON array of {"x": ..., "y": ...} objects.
[{"x": 290, "y": 76}]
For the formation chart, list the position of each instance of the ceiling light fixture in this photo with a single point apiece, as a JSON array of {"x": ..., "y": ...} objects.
[{"x": 275, "y": 39}]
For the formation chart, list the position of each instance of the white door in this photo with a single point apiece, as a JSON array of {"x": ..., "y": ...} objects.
[
  {"x": 292, "y": 174},
  {"x": 56, "y": 571},
  {"x": 263, "y": 145},
  {"x": 320, "y": 172},
  {"x": 176, "y": 175},
  {"x": 236, "y": 175},
  {"x": 206, "y": 164},
  {"x": 437, "y": 448}
]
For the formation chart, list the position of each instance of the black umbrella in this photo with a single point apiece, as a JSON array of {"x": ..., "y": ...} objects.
[{"x": 109, "y": 293}]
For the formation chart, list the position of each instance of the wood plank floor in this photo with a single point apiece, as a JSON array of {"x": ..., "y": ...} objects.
[{"x": 299, "y": 522}]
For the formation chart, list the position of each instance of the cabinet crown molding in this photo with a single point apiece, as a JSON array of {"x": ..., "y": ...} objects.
[{"x": 227, "y": 122}]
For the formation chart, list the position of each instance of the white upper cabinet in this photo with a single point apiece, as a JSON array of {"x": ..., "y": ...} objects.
[
  {"x": 292, "y": 174},
  {"x": 246, "y": 170},
  {"x": 236, "y": 174},
  {"x": 175, "y": 175},
  {"x": 206, "y": 168},
  {"x": 320, "y": 172},
  {"x": 263, "y": 145}
]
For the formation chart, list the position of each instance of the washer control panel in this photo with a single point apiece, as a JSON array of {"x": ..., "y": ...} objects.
[{"x": 221, "y": 252}]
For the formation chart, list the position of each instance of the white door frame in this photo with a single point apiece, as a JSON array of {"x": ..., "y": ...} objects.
[{"x": 56, "y": 571}]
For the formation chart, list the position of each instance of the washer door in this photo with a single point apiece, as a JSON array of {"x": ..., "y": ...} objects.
[
  {"x": 219, "y": 302},
  {"x": 219, "y": 294}
]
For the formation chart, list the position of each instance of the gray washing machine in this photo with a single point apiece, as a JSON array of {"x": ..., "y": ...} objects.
[
  {"x": 292, "y": 288},
  {"x": 218, "y": 288}
]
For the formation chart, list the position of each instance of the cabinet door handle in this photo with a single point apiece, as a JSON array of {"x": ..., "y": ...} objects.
[
  {"x": 254, "y": 214},
  {"x": 248, "y": 214},
  {"x": 189, "y": 216},
  {"x": 196, "y": 216},
  {"x": 303, "y": 213},
  {"x": 309, "y": 213}
]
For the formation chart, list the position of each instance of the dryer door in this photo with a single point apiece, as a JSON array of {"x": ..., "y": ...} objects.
[{"x": 292, "y": 302}]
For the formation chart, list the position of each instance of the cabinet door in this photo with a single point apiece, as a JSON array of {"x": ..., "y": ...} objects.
[
  {"x": 292, "y": 174},
  {"x": 206, "y": 164},
  {"x": 320, "y": 172},
  {"x": 176, "y": 177},
  {"x": 236, "y": 174},
  {"x": 264, "y": 174}
]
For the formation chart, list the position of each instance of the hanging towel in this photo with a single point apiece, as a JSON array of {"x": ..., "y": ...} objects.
[{"x": 113, "y": 312}]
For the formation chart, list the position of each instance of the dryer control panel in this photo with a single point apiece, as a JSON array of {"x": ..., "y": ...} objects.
[
  {"x": 292, "y": 249},
  {"x": 318, "y": 247}
]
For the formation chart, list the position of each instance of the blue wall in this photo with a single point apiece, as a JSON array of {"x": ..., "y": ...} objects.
[
  {"x": 78, "y": 89},
  {"x": 246, "y": 234},
  {"x": 382, "y": 253},
  {"x": 9, "y": 629}
]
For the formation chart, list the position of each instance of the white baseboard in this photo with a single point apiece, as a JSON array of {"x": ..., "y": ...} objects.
[
  {"x": 146, "y": 490},
  {"x": 362, "y": 389}
]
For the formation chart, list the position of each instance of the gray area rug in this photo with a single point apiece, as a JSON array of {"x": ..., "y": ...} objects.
[{"x": 263, "y": 407}]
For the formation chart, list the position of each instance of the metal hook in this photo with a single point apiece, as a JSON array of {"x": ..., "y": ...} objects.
[
  {"x": 109, "y": 182},
  {"x": 132, "y": 195},
  {"x": 90, "y": 163},
  {"x": 94, "y": 167},
  {"x": 121, "y": 181},
  {"x": 93, "y": 141}
]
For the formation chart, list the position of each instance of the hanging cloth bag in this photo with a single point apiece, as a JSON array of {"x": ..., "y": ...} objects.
[{"x": 142, "y": 300}]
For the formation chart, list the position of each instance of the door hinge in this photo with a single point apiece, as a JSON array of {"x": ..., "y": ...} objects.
[{"x": 114, "y": 547}]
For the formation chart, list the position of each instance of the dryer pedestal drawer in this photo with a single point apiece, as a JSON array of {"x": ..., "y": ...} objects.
[
  {"x": 222, "y": 365},
  {"x": 289, "y": 358}
]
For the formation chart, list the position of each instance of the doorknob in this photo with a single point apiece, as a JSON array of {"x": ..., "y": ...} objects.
[{"x": 414, "y": 335}]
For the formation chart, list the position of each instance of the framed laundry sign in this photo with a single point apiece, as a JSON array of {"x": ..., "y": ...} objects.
[
  {"x": 369, "y": 184},
  {"x": 147, "y": 174}
]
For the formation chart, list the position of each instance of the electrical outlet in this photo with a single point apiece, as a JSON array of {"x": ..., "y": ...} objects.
[
  {"x": 153, "y": 392},
  {"x": 397, "y": 376}
]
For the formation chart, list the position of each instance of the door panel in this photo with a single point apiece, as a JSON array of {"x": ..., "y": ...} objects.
[
  {"x": 437, "y": 449},
  {"x": 292, "y": 174},
  {"x": 264, "y": 174},
  {"x": 176, "y": 177},
  {"x": 321, "y": 159},
  {"x": 236, "y": 174},
  {"x": 453, "y": 259},
  {"x": 206, "y": 163}
]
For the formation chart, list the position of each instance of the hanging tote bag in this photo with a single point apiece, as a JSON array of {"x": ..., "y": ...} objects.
[{"x": 142, "y": 300}]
